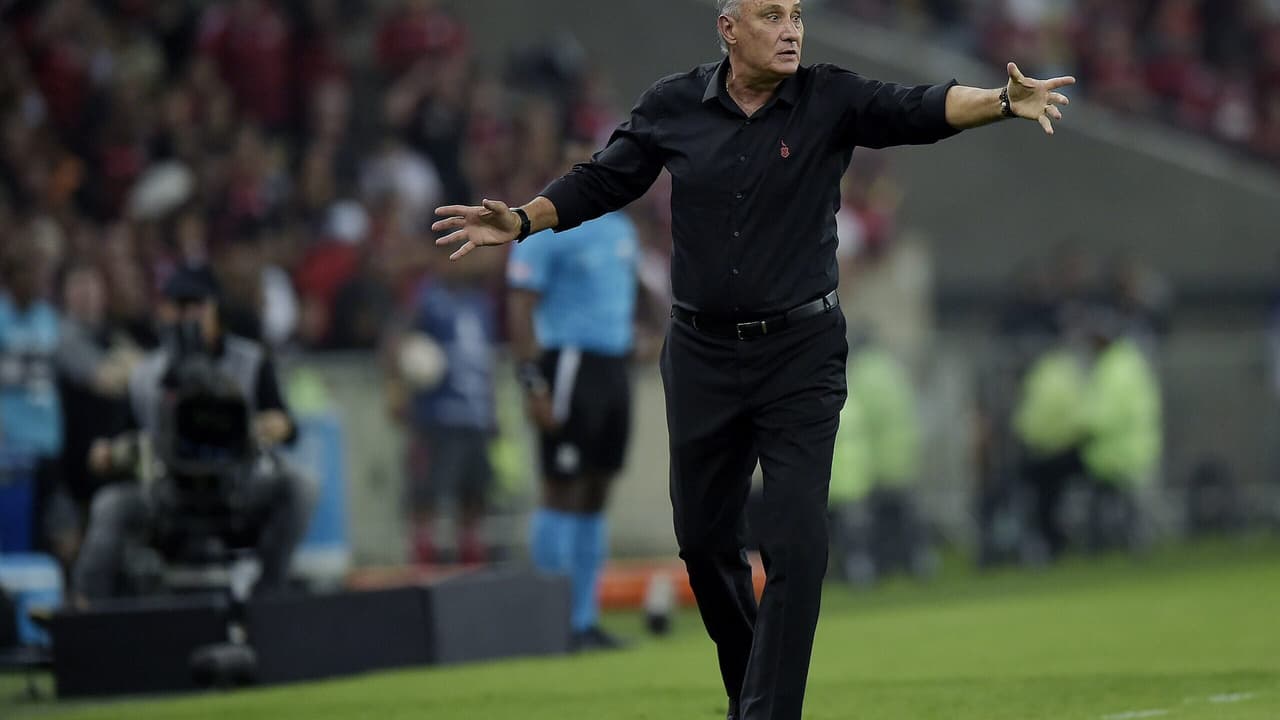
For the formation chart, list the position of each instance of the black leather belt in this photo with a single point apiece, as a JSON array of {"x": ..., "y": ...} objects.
[{"x": 728, "y": 327}]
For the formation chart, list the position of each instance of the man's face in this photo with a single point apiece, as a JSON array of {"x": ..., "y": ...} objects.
[
  {"x": 85, "y": 295},
  {"x": 200, "y": 313},
  {"x": 767, "y": 37}
]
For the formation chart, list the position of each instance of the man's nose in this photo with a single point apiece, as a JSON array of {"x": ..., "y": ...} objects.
[{"x": 791, "y": 32}]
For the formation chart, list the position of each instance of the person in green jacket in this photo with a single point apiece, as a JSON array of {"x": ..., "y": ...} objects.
[
  {"x": 1124, "y": 441},
  {"x": 1050, "y": 424},
  {"x": 876, "y": 462}
]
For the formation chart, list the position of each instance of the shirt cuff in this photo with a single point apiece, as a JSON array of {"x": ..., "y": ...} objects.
[
  {"x": 935, "y": 107},
  {"x": 572, "y": 207}
]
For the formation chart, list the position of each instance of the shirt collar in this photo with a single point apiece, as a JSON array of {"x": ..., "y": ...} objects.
[{"x": 788, "y": 91}]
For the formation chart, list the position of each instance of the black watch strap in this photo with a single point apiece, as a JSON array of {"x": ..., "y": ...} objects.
[
  {"x": 1006, "y": 108},
  {"x": 525, "y": 225},
  {"x": 531, "y": 377}
]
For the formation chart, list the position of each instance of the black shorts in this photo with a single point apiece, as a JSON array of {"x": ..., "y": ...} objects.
[
  {"x": 591, "y": 397},
  {"x": 448, "y": 463}
]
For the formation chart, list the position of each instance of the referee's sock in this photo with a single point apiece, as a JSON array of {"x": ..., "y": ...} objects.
[
  {"x": 551, "y": 536},
  {"x": 590, "y": 547}
]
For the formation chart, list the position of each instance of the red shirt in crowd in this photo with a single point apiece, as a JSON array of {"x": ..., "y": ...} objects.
[
  {"x": 412, "y": 33},
  {"x": 251, "y": 43}
]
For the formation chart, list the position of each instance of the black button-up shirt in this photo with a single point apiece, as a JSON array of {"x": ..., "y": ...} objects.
[{"x": 753, "y": 199}]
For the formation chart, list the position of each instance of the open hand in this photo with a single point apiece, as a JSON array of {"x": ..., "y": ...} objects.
[
  {"x": 1037, "y": 99},
  {"x": 491, "y": 223}
]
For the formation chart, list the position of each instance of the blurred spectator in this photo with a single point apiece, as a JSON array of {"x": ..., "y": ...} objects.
[
  {"x": 261, "y": 304},
  {"x": 443, "y": 366},
  {"x": 428, "y": 105},
  {"x": 555, "y": 68},
  {"x": 1124, "y": 439},
  {"x": 94, "y": 362},
  {"x": 402, "y": 180},
  {"x": 418, "y": 29},
  {"x": 320, "y": 60},
  {"x": 1050, "y": 422},
  {"x": 252, "y": 189},
  {"x": 328, "y": 165},
  {"x": 66, "y": 45},
  {"x": 30, "y": 408},
  {"x": 877, "y": 529},
  {"x": 327, "y": 265},
  {"x": 360, "y": 310},
  {"x": 250, "y": 42},
  {"x": 129, "y": 286}
]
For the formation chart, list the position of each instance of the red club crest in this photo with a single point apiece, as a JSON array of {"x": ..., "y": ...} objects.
[{"x": 786, "y": 151}]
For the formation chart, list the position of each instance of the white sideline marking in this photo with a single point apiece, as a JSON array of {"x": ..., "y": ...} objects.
[
  {"x": 1219, "y": 699},
  {"x": 1231, "y": 697}
]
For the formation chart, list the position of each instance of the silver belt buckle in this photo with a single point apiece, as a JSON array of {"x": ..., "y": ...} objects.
[{"x": 764, "y": 328}]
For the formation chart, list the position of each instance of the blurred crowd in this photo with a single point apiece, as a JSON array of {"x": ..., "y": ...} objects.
[
  {"x": 1211, "y": 66},
  {"x": 298, "y": 150},
  {"x": 265, "y": 139}
]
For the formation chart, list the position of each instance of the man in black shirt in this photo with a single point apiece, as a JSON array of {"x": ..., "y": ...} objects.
[{"x": 754, "y": 363}]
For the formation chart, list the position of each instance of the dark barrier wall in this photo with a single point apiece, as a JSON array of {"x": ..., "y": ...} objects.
[{"x": 988, "y": 198}]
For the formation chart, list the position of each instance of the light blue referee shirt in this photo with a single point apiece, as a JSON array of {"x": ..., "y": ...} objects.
[
  {"x": 30, "y": 410},
  {"x": 587, "y": 279}
]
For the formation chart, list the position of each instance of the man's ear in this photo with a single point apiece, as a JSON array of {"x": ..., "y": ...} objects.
[{"x": 728, "y": 30}]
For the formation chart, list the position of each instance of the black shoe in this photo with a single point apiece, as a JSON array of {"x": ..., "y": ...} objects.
[{"x": 594, "y": 638}]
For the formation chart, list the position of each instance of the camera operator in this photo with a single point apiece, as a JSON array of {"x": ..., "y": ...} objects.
[{"x": 262, "y": 500}]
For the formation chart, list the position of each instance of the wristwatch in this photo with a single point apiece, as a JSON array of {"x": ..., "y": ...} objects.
[
  {"x": 1006, "y": 108},
  {"x": 531, "y": 378},
  {"x": 525, "y": 225}
]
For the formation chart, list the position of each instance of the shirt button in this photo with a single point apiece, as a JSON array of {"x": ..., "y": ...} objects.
[
  {"x": 748, "y": 122},
  {"x": 736, "y": 233},
  {"x": 738, "y": 196},
  {"x": 742, "y": 158},
  {"x": 735, "y": 271}
]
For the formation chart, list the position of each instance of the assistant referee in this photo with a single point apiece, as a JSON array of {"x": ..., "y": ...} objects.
[{"x": 754, "y": 363}]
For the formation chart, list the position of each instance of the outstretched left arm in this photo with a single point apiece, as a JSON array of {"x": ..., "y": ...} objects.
[{"x": 1029, "y": 98}]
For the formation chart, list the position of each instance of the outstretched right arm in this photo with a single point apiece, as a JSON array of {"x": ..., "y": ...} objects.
[
  {"x": 490, "y": 223},
  {"x": 616, "y": 176}
]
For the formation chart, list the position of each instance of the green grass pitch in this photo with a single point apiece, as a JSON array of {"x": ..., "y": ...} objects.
[{"x": 1182, "y": 634}]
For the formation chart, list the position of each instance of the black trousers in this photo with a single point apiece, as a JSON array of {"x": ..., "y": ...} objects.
[
  {"x": 775, "y": 400},
  {"x": 123, "y": 517},
  {"x": 1048, "y": 478}
]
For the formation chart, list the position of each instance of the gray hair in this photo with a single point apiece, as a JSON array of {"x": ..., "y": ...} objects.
[{"x": 732, "y": 8}]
